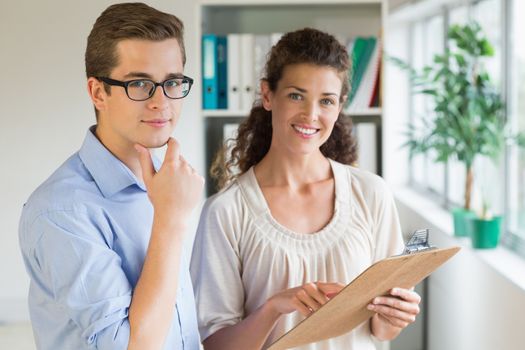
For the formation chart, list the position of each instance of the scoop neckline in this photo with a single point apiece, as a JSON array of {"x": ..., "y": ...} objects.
[{"x": 260, "y": 206}]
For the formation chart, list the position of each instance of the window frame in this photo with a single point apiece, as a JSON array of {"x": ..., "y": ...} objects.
[{"x": 509, "y": 239}]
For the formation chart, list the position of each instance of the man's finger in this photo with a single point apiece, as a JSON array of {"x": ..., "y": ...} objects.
[
  {"x": 173, "y": 151},
  {"x": 146, "y": 164}
]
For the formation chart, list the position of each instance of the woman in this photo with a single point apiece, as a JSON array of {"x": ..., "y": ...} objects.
[{"x": 298, "y": 222}]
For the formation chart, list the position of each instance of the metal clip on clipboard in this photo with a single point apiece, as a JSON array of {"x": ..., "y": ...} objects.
[{"x": 418, "y": 242}]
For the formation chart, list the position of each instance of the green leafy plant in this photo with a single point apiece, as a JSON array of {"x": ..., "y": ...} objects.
[{"x": 469, "y": 116}]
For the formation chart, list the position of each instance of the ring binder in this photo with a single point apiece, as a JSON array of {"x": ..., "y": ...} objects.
[{"x": 418, "y": 242}]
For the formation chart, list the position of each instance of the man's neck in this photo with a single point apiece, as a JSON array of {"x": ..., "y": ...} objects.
[{"x": 126, "y": 153}]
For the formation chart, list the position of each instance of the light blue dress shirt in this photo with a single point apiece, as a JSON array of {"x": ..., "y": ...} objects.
[{"x": 84, "y": 234}]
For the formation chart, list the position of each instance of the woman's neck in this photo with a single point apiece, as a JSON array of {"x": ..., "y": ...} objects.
[{"x": 292, "y": 171}]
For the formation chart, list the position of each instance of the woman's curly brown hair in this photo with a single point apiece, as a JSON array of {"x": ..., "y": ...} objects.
[{"x": 254, "y": 135}]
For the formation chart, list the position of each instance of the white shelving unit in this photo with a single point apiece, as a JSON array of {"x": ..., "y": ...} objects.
[
  {"x": 343, "y": 18},
  {"x": 210, "y": 113}
]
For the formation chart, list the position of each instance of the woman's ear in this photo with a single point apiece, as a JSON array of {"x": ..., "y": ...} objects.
[
  {"x": 266, "y": 95},
  {"x": 97, "y": 92}
]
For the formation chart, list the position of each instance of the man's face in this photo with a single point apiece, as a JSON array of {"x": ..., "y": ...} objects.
[{"x": 123, "y": 122}]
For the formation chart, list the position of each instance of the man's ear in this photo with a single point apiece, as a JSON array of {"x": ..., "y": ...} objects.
[
  {"x": 266, "y": 95},
  {"x": 97, "y": 92}
]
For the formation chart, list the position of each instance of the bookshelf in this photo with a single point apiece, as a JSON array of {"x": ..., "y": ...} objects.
[
  {"x": 345, "y": 19},
  {"x": 210, "y": 113}
]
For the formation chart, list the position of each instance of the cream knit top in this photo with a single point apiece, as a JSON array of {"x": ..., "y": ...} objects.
[{"x": 242, "y": 255}]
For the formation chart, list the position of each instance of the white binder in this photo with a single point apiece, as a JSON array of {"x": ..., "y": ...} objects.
[
  {"x": 247, "y": 64},
  {"x": 262, "y": 45},
  {"x": 234, "y": 74}
]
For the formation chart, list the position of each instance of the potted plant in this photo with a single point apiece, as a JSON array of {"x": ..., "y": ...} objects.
[
  {"x": 469, "y": 111},
  {"x": 485, "y": 229}
]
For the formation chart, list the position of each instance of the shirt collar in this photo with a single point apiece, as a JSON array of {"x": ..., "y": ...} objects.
[{"x": 109, "y": 173}]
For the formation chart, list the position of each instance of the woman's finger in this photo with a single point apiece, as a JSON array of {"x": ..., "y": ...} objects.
[
  {"x": 406, "y": 294},
  {"x": 396, "y": 322},
  {"x": 398, "y": 304},
  {"x": 301, "y": 307},
  {"x": 392, "y": 313},
  {"x": 315, "y": 293},
  {"x": 307, "y": 300},
  {"x": 330, "y": 288}
]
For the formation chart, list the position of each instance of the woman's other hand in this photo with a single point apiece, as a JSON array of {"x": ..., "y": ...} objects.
[{"x": 394, "y": 312}]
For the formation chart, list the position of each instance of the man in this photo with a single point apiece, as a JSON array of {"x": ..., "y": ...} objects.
[{"x": 102, "y": 237}]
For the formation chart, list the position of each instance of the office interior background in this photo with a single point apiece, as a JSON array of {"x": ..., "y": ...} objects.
[{"x": 474, "y": 302}]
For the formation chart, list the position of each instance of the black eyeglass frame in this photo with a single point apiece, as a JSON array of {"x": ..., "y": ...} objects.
[{"x": 125, "y": 85}]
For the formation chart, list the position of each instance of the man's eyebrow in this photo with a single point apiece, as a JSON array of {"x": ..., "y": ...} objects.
[
  {"x": 138, "y": 75},
  {"x": 135, "y": 75},
  {"x": 174, "y": 75}
]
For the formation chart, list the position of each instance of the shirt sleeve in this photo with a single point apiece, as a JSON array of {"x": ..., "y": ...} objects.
[
  {"x": 387, "y": 232},
  {"x": 216, "y": 270},
  {"x": 72, "y": 263}
]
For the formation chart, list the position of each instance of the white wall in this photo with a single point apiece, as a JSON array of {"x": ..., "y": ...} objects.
[
  {"x": 396, "y": 96},
  {"x": 46, "y": 110}
]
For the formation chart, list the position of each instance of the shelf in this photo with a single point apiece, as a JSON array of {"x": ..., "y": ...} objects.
[
  {"x": 346, "y": 19},
  {"x": 286, "y": 2},
  {"x": 374, "y": 111},
  {"x": 223, "y": 113}
]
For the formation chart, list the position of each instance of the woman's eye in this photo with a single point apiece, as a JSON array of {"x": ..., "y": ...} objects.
[
  {"x": 295, "y": 96},
  {"x": 327, "y": 102}
]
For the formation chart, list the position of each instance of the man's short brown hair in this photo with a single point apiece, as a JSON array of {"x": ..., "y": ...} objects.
[{"x": 127, "y": 21}]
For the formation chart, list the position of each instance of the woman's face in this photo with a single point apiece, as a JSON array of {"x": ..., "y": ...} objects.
[{"x": 304, "y": 106}]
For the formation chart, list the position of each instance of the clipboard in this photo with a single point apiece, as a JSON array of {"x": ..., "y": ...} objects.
[{"x": 348, "y": 309}]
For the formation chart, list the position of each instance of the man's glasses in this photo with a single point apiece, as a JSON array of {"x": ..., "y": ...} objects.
[{"x": 143, "y": 89}]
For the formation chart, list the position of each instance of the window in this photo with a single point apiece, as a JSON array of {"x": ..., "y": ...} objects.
[
  {"x": 435, "y": 44},
  {"x": 419, "y": 171},
  {"x": 458, "y": 14},
  {"x": 455, "y": 170},
  {"x": 488, "y": 14},
  {"x": 428, "y": 40},
  {"x": 516, "y": 108},
  {"x": 505, "y": 196}
]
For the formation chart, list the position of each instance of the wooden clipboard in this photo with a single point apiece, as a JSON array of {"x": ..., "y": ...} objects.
[{"x": 348, "y": 309}]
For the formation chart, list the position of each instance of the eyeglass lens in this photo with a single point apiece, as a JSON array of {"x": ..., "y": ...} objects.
[{"x": 144, "y": 89}]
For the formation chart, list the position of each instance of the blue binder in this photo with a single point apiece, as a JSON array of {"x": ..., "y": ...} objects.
[
  {"x": 222, "y": 63},
  {"x": 210, "y": 81}
]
